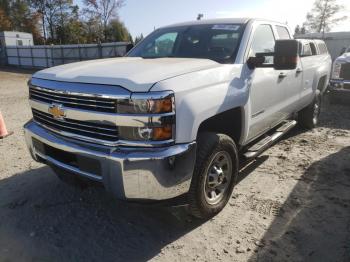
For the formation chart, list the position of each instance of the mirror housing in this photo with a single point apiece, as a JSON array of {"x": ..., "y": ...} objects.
[
  {"x": 255, "y": 61},
  {"x": 286, "y": 54}
]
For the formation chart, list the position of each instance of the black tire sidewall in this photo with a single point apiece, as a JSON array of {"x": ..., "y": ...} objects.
[{"x": 209, "y": 144}]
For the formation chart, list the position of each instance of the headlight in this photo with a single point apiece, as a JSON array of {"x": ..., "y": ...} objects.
[
  {"x": 336, "y": 70},
  {"x": 157, "y": 111},
  {"x": 146, "y": 106}
]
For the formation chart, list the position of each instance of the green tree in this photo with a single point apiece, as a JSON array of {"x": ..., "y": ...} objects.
[
  {"x": 16, "y": 15},
  {"x": 117, "y": 32},
  {"x": 323, "y": 16},
  {"x": 5, "y": 23},
  {"x": 138, "y": 39},
  {"x": 55, "y": 17},
  {"x": 103, "y": 11}
]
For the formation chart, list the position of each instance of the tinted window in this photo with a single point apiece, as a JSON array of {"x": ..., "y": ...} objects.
[
  {"x": 263, "y": 42},
  {"x": 313, "y": 49},
  {"x": 323, "y": 48},
  {"x": 306, "y": 50},
  {"x": 161, "y": 46},
  {"x": 282, "y": 32},
  {"x": 218, "y": 42}
]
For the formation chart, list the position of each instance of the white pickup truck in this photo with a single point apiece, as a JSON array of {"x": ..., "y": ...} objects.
[{"x": 180, "y": 112}]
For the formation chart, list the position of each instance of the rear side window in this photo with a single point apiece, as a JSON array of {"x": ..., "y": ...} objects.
[
  {"x": 306, "y": 50},
  {"x": 323, "y": 48},
  {"x": 313, "y": 49},
  {"x": 263, "y": 42},
  {"x": 282, "y": 32}
]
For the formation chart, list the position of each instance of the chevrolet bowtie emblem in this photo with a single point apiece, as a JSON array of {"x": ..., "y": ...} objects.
[{"x": 56, "y": 111}]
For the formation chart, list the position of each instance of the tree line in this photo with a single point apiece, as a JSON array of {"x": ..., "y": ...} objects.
[
  {"x": 323, "y": 16},
  {"x": 63, "y": 22}
]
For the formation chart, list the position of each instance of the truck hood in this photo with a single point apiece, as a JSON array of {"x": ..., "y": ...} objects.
[
  {"x": 133, "y": 73},
  {"x": 344, "y": 58}
]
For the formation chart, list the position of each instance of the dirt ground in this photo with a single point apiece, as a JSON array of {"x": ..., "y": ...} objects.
[{"x": 291, "y": 204}]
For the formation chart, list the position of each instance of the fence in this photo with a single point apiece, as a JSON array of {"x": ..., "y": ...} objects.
[{"x": 52, "y": 55}]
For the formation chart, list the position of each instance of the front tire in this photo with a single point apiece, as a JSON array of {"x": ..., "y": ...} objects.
[
  {"x": 309, "y": 116},
  {"x": 215, "y": 174}
]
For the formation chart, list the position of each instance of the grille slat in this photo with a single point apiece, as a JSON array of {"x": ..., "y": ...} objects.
[
  {"x": 49, "y": 100},
  {"x": 82, "y": 102},
  {"x": 345, "y": 71},
  {"x": 82, "y": 128},
  {"x": 80, "y": 123},
  {"x": 52, "y": 94}
]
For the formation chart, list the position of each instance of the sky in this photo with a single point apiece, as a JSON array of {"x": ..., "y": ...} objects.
[{"x": 142, "y": 16}]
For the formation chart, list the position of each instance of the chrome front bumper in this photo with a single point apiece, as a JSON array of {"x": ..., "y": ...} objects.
[
  {"x": 127, "y": 173},
  {"x": 339, "y": 86}
]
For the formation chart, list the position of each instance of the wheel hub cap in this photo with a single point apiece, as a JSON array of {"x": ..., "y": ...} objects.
[{"x": 218, "y": 178}]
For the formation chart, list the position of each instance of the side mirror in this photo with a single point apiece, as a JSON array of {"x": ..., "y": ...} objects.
[
  {"x": 286, "y": 54},
  {"x": 129, "y": 47},
  {"x": 254, "y": 62}
]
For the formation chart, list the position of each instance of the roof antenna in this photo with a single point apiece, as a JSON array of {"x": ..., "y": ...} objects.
[{"x": 200, "y": 16}]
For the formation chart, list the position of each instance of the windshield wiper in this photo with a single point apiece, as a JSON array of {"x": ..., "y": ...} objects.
[{"x": 155, "y": 57}]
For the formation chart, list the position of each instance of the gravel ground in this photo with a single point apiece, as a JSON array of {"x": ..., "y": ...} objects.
[{"x": 291, "y": 204}]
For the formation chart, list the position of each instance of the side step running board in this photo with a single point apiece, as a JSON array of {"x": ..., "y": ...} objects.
[{"x": 263, "y": 144}]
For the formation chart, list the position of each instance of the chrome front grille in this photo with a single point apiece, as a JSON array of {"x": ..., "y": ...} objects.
[
  {"x": 82, "y": 101},
  {"x": 80, "y": 128},
  {"x": 345, "y": 71},
  {"x": 89, "y": 112}
]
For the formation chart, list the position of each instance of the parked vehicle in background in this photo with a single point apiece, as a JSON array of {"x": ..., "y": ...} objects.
[
  {"x": 339, "y": 85},
  {"x": 180, "y": 112}
]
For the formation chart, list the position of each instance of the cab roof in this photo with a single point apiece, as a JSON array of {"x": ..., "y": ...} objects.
[{"x": 219, "y": 21}]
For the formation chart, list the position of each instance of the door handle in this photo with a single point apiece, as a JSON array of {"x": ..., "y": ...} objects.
[
  {"x": 299, "y": 70},
  {"x": 282, "y": 75}
]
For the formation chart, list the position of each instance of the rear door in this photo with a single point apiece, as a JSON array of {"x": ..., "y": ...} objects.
[
  {"x": 310, "y": 61},
  {"x": 290, "y": 82}
]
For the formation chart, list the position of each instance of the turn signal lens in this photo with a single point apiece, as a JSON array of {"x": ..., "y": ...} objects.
[
  {"x": 336, "y": 71},
  {"x": 161, "y": 105},
  {"x": 162, "y": 133},
  {"x": 146, "y": 133}
]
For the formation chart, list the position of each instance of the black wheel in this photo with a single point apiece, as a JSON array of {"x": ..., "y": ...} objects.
[
  {"x": 214, "y": 176},
  {"x": 308, "y": 117}
]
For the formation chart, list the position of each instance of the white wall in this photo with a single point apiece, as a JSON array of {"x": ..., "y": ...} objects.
[{"x": 11, "y": 38}]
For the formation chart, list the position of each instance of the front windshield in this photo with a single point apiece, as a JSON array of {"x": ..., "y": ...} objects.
[{"x": 218, "y": 42}]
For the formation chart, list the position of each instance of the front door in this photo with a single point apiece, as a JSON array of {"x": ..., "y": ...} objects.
[{"x": 266, "y": 85}]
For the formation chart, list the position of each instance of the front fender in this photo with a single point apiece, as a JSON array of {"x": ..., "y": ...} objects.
[{"x": 201, "y": 95}]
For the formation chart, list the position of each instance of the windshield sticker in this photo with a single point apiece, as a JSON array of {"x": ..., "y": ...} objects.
[{"x": 226, "y": 27}]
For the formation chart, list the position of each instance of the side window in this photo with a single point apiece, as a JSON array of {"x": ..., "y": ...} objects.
[
  {"x": 263, "y": 42},
  {"x": 306, "y": 50},
  {"x": 162, "y": 46},
  {"x": 323, "y": 48},
  {"x": 282, "y": 32},
  {"x": 313, "y": 49},
  {"x": 19, "y": 42}
]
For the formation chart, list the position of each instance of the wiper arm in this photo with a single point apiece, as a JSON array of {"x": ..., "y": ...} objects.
[{"x": 154, "y": 57}]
